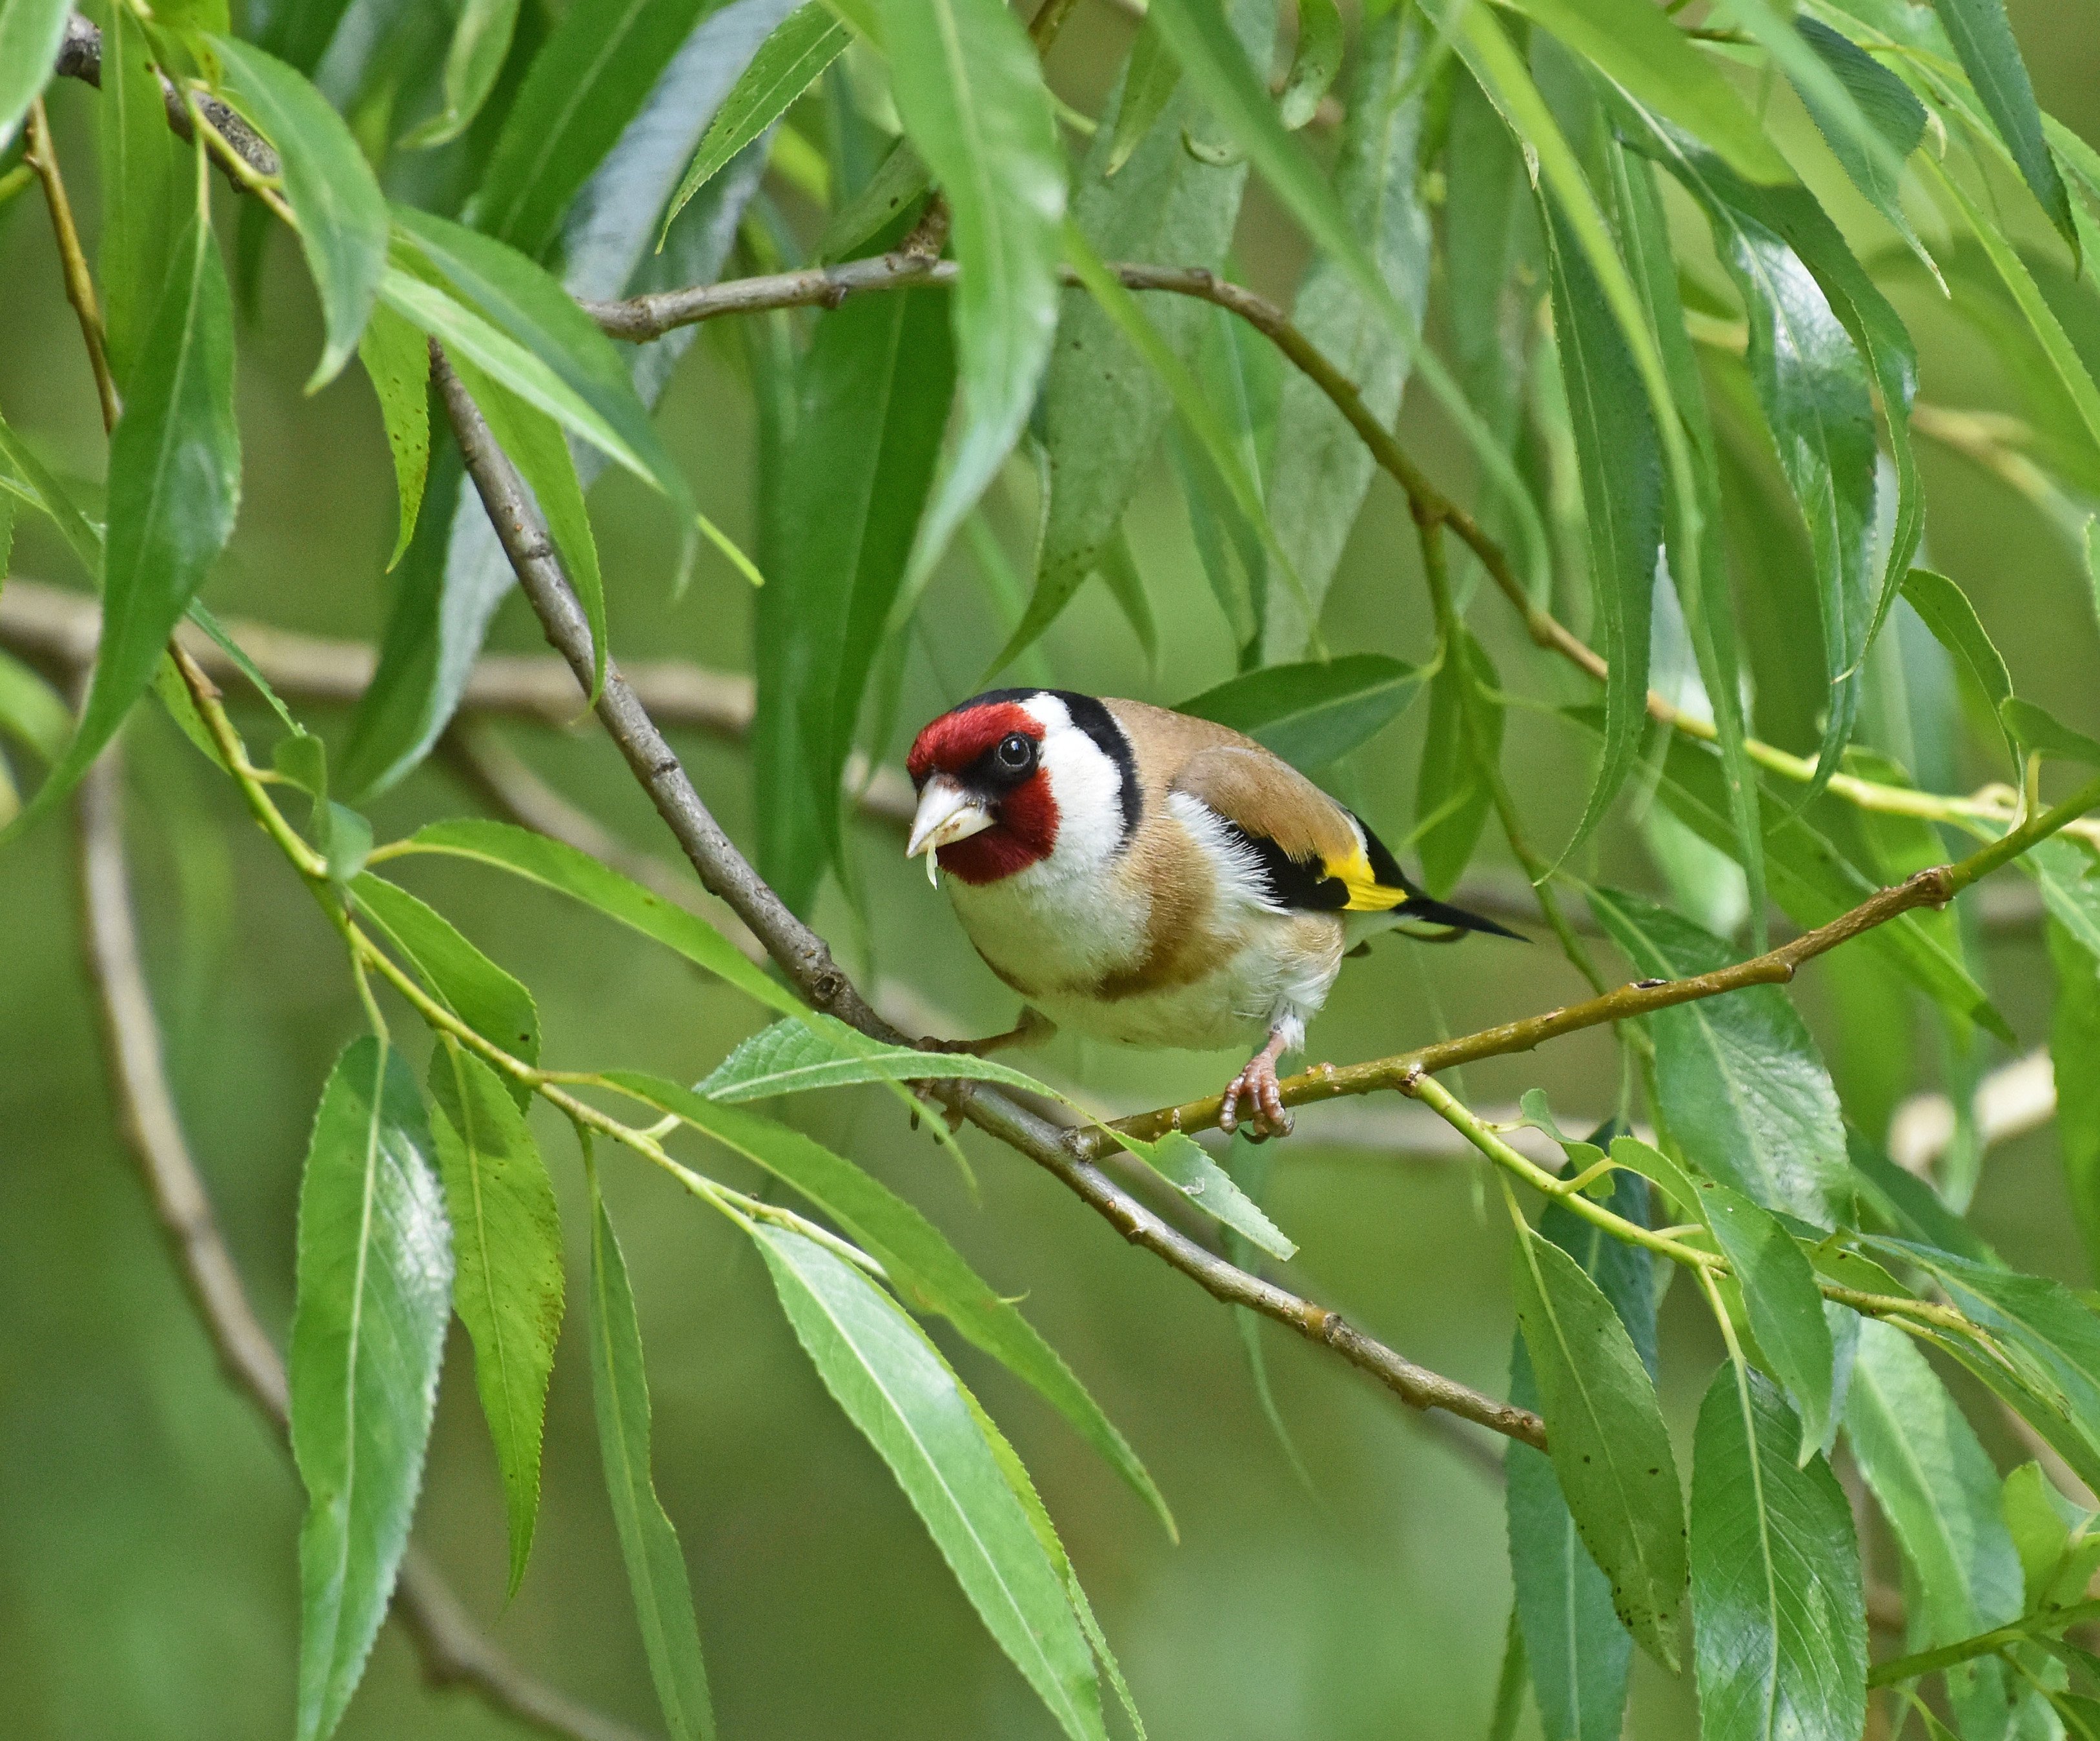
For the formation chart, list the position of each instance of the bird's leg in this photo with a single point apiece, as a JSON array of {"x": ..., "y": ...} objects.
[
  {"x": 1269, "y": 1116},
  {"x": 1033, "y": 1029}
]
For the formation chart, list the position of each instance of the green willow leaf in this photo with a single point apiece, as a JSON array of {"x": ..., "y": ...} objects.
[
  {"x": 1936, "y": 1485},
  {"x": 30, "y": 32},
  {"x": 144, "y": 180},
  {"x": 342, "y": 213},
  {"x": 793, "y": 58},
  {"x": 2074, "y": 1033},
  {"x": 873, "y": 392},
  {"x": 649, "y": 1545},
  {"x": 2038, "y": 733},
  {"x": 915, "y": 1254},
  {"x": 480, "y": 44},
  {"x": 820, "y": 1051},
  {"x": 899, "y": 180},
  {"x": 1636, "y": 44},
  {"x": 31, "y": 712},
  {"x": 969, "y": 89},
  {"x": 397, "y": 359},
  {"x": 174, "y": 482},
  {"x": 881, "y": 1370},
  {"x": 1452, "y": 797},
  {"x": 368, "y": 1333},
  {"x": 1620, "y": 458},
  {"x": 1743, "y": 1088},
  {"x": 1321, "y": 469},
  {"x": 489, "y": 1000},
  {"x": 1315, "y": 713},
  {"x": 535, "y": 444},
  {"x": 1187, "y": 1165},
  {"x": 1783, "y": 1302},
  {"x": 1314, "y": 62},
  {"x": 589, "y": 80},
  {"x": 1888, "y": 106},
  {"x": 1609, "y": 1447},
  {"x": 507, "y": 1288},
  {"x": 1946, "y": 611},
  {"x": 2054, "y": 1539},
  {"x": 1777, "y": 1598},
  {"x": 1103, "y": 405},
  {"x": 1983, "y": 37},
  {"x": 1579, "y": 1654},
  {"x": 533, "y": 311}
]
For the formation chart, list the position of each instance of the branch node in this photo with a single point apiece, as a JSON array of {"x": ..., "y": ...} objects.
[{"x": 1649, "y": 984}]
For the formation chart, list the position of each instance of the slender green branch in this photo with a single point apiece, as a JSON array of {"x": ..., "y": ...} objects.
[
  {"x": 1984, "y": 1644},
  {"x": 42, "y": 156}
]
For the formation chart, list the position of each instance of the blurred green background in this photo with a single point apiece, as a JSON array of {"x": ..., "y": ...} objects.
[{"x": 148, "y": 1517}]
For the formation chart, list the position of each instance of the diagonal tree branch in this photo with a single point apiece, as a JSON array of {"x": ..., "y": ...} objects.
[
  {"x": 453, "y": 1651},
  {"x": 804, "y": 958},
  {"x": 80, "y": 56}
]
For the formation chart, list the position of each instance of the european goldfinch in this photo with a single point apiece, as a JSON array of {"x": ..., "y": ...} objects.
[{"x": 1145, "y": 877}]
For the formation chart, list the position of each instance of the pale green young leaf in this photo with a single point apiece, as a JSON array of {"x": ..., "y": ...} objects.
[
  {"x": 880, "y": 1369},
  {"x": 480, "y": 43},
  {"x": 1314, "y": 62},
  {"x": 374, "y": 1291},
  {"x": 30, "y": 32},
  {"x": 533, "y": 441},
  {"x": 144, "y": 174},
  {"x": 1778, "y": 1608},
  {"x": 507, "y": 1284},
  {"x": 1150, "y": 78},
  {"x": 1784, "y": 1303},
  {"x": 820, "y": 1051},
  {"x": 31, "y": 710},
  {"x": 1946, "y": 611},
  {"x": 1315, "y": 713},
  {"x": 2038, "y": 733},
  {"x": 656, "y": 1565},
  {"x": 397, "y": 360},
  {"x": 342, "y": 213},
  {"x": 2054, "y": 1538},
  {"x": 1187, "y": 1165},
  {"x": 791, "y": 58},
  {"x": 1610, "y": 1449},
  {"x": 969, "y": 89}
]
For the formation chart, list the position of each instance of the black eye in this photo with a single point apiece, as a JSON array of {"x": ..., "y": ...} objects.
[{"x": 1016, "y": 752}]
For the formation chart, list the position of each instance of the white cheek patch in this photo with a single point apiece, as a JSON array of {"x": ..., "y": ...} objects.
[{"x": 1086, "y": 784}]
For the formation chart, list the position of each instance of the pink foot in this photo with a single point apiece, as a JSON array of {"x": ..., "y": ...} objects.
[{"x": 1267, "y": 1115}]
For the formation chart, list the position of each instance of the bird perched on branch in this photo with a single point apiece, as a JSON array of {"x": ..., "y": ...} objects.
[{"x": 1145, "y": 877}]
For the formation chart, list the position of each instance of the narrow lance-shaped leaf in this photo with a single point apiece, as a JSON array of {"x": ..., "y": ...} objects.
[
  {"x": 1452, "y": 796},
  {"x": 1888, "y": 107},
  {"x": 507, "y": 1245},
  {"x": 1983, "y": 37},
  {"x": 655, "y": 1566},
  {"x": 397, "y": 359},
  {"x": 174, "y": 480},
  {"x": 1945, "y": 610},
  {"x": 144, "y": 181},
  {"x": 368, "y": 1334},
  {"x": 1610, "y": 1448},
  {"x": 969, "y": 89},
  {"x": 30, "y": 32},
  {"x": 1150, "y": 78},
  {"x": 880, "y": 1369},
  {"x": 1315, "y": 713},
  {"x": 1779, "y": 1609},
  {"x": 1784, "y": 1303},
  {"x": 480, "y": 43},
  {"x": 342, "y": 213}
]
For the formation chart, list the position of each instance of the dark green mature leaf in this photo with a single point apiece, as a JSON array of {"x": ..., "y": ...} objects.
[
  {"x": 1103, "y": 405},
  {"x": 30, "y": 32},
  {"x": 341, "y": 211},
  {"x": 174, "y": 480},
  {"x": 480, "y": 43},
  {"x": 1315, "y": 713},
  {"x": 1636, "y": 44},
  {"x": 507, "y": 1288},
  {"x": 586, "y": 83},
  {"x": 969, "y": 91},
  {"x": 916, "y": 1255},
  {"x": 557, "y": 866},
  {"x": 534, "y": 310},
  {"x": 1982, "y": 37},
  {"x": 1777, "y": 1598},
  {"x": 489, "y": 1000},
  {"x": 1886, "y": 104},
  {"x": 1452, "y": 796},
  {"x": 1936, "y": 1485},
  {"x": 1743, "y": 1088},
  {"x": 655, "y": 1566},
  {"x": 145, "y": 188},
  {"x": 397, "y": 360},
  {"x": 2074, "y": 1033},
  {"x": 1783, "y": 1302},
  {"x": 1609, "y": 1446},
  {"x": 874, "y": 392},
  {"x": 1321, "y": 469},
  {"x": 791, "y": 60},
  {"x": 368, "y": 1333},
  {"x": 1620, "y": 457},
  {"x": 1579, "y": 1654},
  {"x": 535, "y": 444},
  {"x": 881, "y": 1370}
]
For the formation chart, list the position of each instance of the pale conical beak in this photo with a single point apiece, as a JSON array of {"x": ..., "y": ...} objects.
[{"x": 947, "y": 813}]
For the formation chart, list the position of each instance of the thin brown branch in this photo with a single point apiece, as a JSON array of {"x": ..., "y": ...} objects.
[
  {"x": 1932, "y": 887},
  {"x": 42, "y": 156},
  {"x": 453, "y": 1652},
  {"x": 805, "y": 959},
  {"x": 80, "y": 56}
]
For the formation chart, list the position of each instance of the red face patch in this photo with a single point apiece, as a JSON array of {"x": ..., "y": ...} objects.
[{"x": 1024, "y": 830}]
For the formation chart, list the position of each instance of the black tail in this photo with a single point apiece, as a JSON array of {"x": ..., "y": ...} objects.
[{"x": 1420, "y": 906}]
